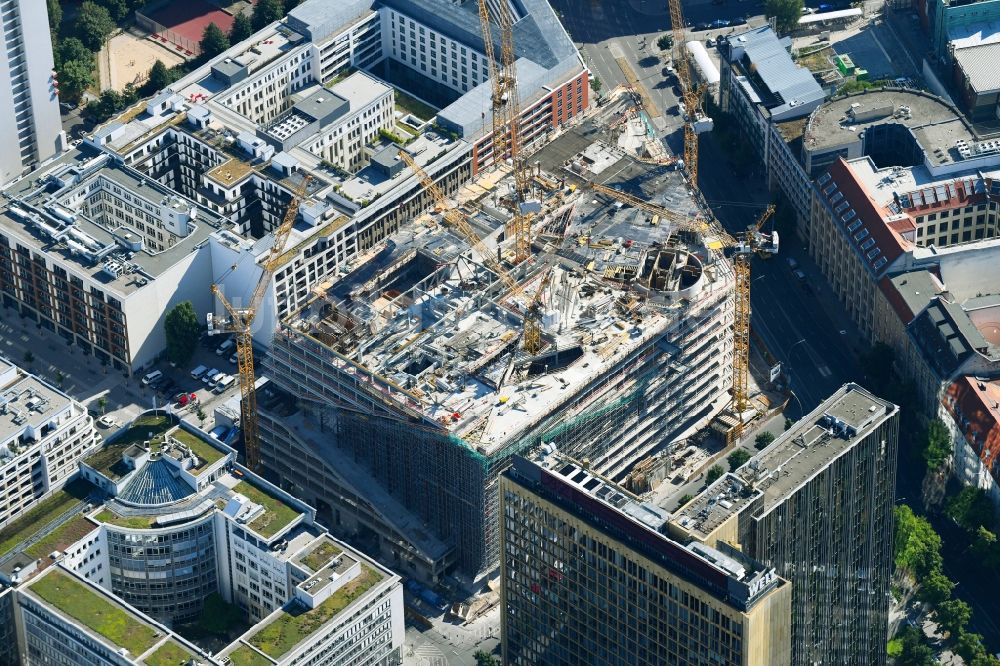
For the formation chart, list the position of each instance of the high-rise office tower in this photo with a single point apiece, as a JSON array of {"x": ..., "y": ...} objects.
[
  {"x": 590, "y": 576},
  {"x": 30, "y": 127},
  {"x": 816, "y": 506}
]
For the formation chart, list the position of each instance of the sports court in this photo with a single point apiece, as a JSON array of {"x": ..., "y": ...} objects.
[
  {"x": 130, "y": 58},
  {"x": 182, "y": 24}
]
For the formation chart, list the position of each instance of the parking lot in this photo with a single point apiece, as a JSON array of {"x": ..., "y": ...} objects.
[{"x": 85, "y": 379}]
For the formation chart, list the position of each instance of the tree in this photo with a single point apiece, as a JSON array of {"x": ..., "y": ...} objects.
[
  {"x": 106, "y": 105},
  {"x": 71, "y": 49},
  {"x": 55, "y": 16},
  {"x": 118, "y": 9},
  {"x": 969, "y": 646},
  {"x": 714, "y": 472},
  {"x": 29, "y": 358},
  {"x": 242, "y": 29},
  {"x": 665, "y": 43},
  {"x": 102, "y": 404},
  {"x": 935, "y": 588},
  {"x": 916, "y": 546},
  {"x": 213, "y": 41},
  {"x": 971, "y": 508},
  {"x": 266, "y": 12},
  {"x": 60, "y": 378},
  {"x": 484, "y": 658},
  {"x": 788, "y": 424},
  {"x": 685, "y": 498},
  {"x": 737, "y": 458},
  {"x": 763, "y": 440},
  {"x": 914, "y": 650},
  {"x": 159, "y": 76},
  {"x": 937, "y": 445},
  {"x": 93, "y": 25},
  {"x": 182, "y": 330},
  {"x": 596, "y": 85},
  {"x": 75, "y": 76},
  {"x": 786, "y": 13},
  {"x": 953, "y": 615}
]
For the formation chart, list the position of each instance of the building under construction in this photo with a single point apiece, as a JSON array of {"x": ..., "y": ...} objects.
[{"x": 410, "y": 386}]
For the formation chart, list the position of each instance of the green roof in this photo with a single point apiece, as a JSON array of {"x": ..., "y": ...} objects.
[
  {"x": 60, "y": 538},
  {"x": 290, "y": 628},
  {"x": 207, "y": 454},
  {"x": 134, "y": 522},
  {"x": 61, "y": 501},
  {"x": 277, "y": 515},
  {"x": 169, "y": 654},
  {"x": 244, "y": 656},
  {"x": 319, "y": 556},
  {"x": 94, "y": 611},
  {"x": 108, "y": 460}
]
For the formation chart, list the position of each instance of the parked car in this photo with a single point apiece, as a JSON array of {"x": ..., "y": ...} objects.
[
  {"x": 224, "y": 348},
  {"x": 702, "y": 26},
  {"x": 198, "y": 372},
  {"x": 211, "y": 376},
  {"x": 720, "y": 23},
  {"x": 799, "y": 275},
  {"x": 792, "y": 264},
  {"x": 234, "y": 359},
  {"x": 107, "y": 421},
  {"x": 183, "y": 399},
  {"x": 152, "y": 378},
  {"x": 225, "y": 382}
]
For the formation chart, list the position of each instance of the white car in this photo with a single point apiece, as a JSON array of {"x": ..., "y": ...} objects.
[{"x": 107, "y": 422}]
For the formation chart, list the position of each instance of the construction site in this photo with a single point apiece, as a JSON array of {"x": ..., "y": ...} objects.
[{"x": 417, "y": 374}]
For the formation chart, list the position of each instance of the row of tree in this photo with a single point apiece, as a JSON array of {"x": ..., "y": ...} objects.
[{"x": 917, "y": 552}]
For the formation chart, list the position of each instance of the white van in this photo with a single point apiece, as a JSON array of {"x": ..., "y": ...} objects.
[
  {"x": 224, "y": 383},
  {"x": 225, "y": 347},
  {"x": 152, "y": 378},
  {"x": 198, "y": 372}
]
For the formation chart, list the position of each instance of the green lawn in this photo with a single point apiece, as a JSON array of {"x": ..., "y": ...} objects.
[
  {"x": 288, "y": 630},
  {"x": 44, "y": 513},
  {"x": 169, "y": 654},
  {"x": 94, "y": 611},
  {"x": 244, "y": 656},
  {"x": 107, "y": 460},
  {"x": 409, "y": 104},
  {"x": 135, "y": 522},
  {"x": 207, "y": 453},
  {"x": 60, "y": 538},
  {"x": 320, "y": 555},
  {"x": 276, "y": 514}
]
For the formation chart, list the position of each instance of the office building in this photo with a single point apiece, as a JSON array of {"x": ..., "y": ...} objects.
[
  {"x": 816, "y": 506},
  {"x": 590, "y": 575},
  {"x": 43, "y": 433},
  {"x": 29, "y": 102},
  {"x": 182, "y": 523}
]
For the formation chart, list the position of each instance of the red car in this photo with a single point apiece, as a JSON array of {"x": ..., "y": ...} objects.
[{"x": 186, "y": 399}]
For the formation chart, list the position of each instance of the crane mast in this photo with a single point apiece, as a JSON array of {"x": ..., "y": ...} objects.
[
  {"x": 241, "y": 321},
  {"x": 742, "y": 248},
  {"x": 506, "y": 108},
  {"x": 691, "y": 97}
]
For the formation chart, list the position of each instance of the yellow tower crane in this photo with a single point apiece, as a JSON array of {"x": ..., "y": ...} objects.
[
  {"x": 454, "y": 217},
  {"x": 506, "y": 107},
  {"x": 742, "y": 248},
  {"x": 691, "y": 96},
  {"x": 240, "y": 321}
]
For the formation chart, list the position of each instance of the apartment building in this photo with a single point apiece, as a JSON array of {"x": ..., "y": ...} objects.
[
  {"x": 971, "y": 410},
  {"x": 29, "y": 101},
  {"x": 43, "y": 433},
  {"x": 589, "y": 575},
  {"x": 183, "y": 523},
  {"x": 816, "y": 506}
]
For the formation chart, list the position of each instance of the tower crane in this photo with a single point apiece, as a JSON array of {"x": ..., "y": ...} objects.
[
  {"x": 754, "y": 240},
  {"x": 454, "y": 217},
  {"x": 507, "y": 119},
  {"x": 240, "y": 321},
  {"x": 690, "y": 95}
]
